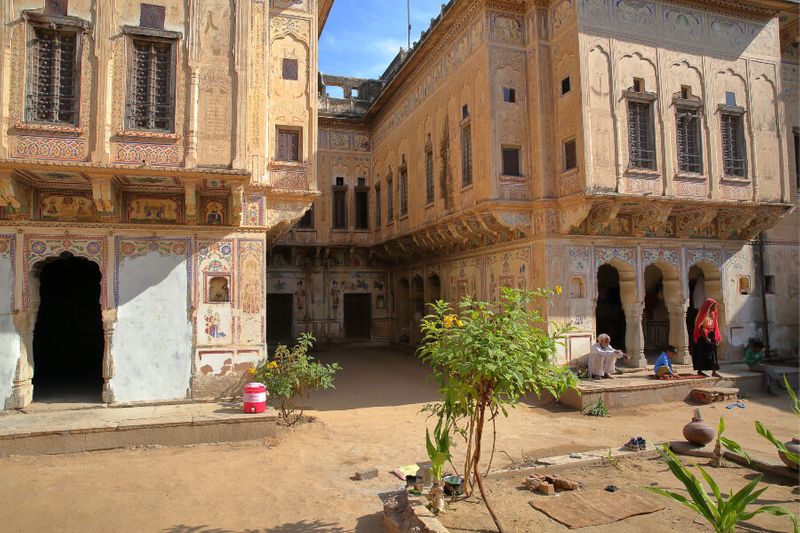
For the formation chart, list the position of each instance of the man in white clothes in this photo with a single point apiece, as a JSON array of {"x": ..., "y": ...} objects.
[{"x": 603, "y": 358}]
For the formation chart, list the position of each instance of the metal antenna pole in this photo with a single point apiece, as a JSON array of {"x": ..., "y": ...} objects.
[{"x": 408, "y": 10}]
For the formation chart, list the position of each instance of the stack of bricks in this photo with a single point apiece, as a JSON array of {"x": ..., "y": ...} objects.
[{"x": 547, "y": 485}]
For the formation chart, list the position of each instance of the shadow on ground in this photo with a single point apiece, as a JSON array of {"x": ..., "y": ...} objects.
[
  {"x": 373, "y": 376},
  {"x": 366, "y": 524}
]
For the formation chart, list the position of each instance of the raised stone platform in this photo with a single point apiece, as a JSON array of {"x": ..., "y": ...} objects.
[
  {"x": 632, "y": 389},
  {"x": 53, "y": 431}
]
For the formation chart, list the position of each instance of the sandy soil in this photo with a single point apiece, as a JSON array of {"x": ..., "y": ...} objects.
[
  {"x": 512, "y": 503},
  {"x": 302, "y": 482}
]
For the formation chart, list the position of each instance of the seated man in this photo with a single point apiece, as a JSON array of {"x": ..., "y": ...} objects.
[
  {"x": 663, "y": 368},
  {"x": 754, "y": 356},
  {"x": 603, "y": 358}
]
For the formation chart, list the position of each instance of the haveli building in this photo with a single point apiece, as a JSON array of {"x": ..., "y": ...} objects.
[{"x": 177, "y": 186}]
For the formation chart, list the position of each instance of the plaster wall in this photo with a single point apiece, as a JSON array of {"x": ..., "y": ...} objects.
[
  {"x": 152, "y": 345},
  {"x": 668, "y": 47},
  {"x": 9, "y": 339},
  {"x": 429, "y": 113}
]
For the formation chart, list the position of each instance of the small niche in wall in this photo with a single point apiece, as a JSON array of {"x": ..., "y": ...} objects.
[
  {"x": 576, "y": 287},
  {"x": 218, "y": 289},
  {"x": 744, "y": 284}
]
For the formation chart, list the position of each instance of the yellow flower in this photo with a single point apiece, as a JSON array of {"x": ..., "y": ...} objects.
[
  {"x": 272, "y": 364},
  {"x": 450, "y": 320},
  {"x": 558, "y": 289},
  {"x": 459, "y": 323},
  {"x": 251, "y": 371}
]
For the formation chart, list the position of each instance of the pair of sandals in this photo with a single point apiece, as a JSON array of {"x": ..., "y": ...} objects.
[{"x": 636, "y": 444}]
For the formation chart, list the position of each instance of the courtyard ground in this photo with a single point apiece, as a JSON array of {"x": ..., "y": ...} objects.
[{"x": 302, "y": 481}]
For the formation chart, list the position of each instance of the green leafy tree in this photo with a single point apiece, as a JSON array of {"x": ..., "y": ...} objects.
[
  {"x": 722, "y": 512},
  {"x": 485, "y": 359},
  {"x": 291, "y": 375}
]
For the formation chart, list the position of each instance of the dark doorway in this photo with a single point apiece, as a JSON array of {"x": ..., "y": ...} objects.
[
  {"x": 279, "y": 317},
  {"x": 68, "y": 336},
  {"x": 358, "y": 316},
  {"x": 655, "y": 318},
  {"x": 609, "y": 315}
]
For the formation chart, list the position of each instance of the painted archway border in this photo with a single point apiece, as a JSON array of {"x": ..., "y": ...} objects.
[
  {"x": 8, "y": 246},
  {"x": 40, "y": 247}
]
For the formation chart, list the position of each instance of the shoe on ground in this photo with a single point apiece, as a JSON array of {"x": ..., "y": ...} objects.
[{"x": 606, "y": 376}]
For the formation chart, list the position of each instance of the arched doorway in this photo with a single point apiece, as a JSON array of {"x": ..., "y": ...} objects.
[
  {"x": 68, "y": 339},
  {"x": 403, "y": 309},
  {"x": 434, "y": 286},
  {"x": 655, "y": 318},
  {"x": 705, "y": 282},
  {"x": 417, "y": 307},
  {"x": 609, "y": 314}
]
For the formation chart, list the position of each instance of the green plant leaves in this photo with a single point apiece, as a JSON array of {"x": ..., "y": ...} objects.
[
  {"x": 726, "y": 512},
  {"x": 767, "y": 434}
]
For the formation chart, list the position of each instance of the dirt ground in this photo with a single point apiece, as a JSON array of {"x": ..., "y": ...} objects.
[
  {"x": 512, "y": 503},
  {"x": 303, "y": 481}
]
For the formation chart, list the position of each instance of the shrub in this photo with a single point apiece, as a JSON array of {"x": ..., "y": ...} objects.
[{"x": 291, "y": 375}]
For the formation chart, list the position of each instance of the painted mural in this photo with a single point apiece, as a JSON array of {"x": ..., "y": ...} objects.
[
  {"x": 66, "y": 207},
  {"x": 154, "y": 209}
]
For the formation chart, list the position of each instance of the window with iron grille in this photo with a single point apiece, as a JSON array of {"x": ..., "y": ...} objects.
[
  {"x": 307, "y": 220},
  {"x": 151, "y": 91},
  {"x": 377, "y": 206},
  {"x": 389, "y": 199},
  {"x": 511, "y": 162},
  {"x": 362, "y": 208},
  {"x": 641, "y": 136},
  {"x": 688, "y": 137},
  {"x": 53, "y": 76},
  {"x": 403, "y": 191},
  {"x": 734, "y": 160},
  {"x": 429, "y": 186},
  {"x": 466, "y": 156},
  {"x": 339, "y": 208},
  {"x": 288, "y": 145}
]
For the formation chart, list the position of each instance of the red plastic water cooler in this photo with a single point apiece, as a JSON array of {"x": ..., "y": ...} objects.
[{"x": 255, "y": 398}]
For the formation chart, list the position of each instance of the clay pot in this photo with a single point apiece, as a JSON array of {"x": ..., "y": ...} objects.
[
  {"x": 794, "y": 447},
  {"x": 697, "y": 431}
]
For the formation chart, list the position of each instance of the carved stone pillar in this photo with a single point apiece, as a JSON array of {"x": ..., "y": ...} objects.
[
  {"x": 109, "y": 321},
  {"x": 22, "y": 385},
  {"x": 634, "y": 337},
  {"x": 678, "y": 336},
  {"x": 193, "y": 112}
]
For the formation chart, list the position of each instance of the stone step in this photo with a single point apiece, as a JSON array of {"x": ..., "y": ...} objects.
[
  {"x": 103, "y": 428},
  {"x": 635, "y": 390}
]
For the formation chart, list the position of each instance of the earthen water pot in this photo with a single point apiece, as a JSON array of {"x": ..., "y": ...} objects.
[
  {"x": 697, "y": 431},
  {"x": 794, "y": 447}
]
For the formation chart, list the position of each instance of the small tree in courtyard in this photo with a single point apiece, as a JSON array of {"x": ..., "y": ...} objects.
[{"x": 486, "y": 358}]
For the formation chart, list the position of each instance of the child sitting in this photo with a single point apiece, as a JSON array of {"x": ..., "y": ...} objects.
[
  {"x": 754, "y": 356},
  {"x": 663, "y": 368}
]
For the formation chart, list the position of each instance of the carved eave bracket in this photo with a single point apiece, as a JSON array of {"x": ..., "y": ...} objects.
[
  {"x": 190, "y": 197},
  {"x": 687, "y": 222},
  {"x": 601, "y": 216},
  {"x": 284, "y": 209},
  {"x": 7, "y": 196},
  {"x": 572, "y": 214},
  {"x": 650, "y": 217},
  {"x": 764, "y": 218}
]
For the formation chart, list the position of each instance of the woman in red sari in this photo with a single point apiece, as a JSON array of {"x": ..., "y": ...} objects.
[{"x": 706, "y": 338}]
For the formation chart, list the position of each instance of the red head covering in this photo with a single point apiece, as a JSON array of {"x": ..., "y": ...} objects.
[{"x": 699, "y": 323}]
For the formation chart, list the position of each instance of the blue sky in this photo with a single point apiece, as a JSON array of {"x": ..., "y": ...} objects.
[{"x": 361, "y": 37}]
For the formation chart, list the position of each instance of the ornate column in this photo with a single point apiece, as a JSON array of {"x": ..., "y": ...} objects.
[
  {"x": 678, "y": 336},
  {"x": 109, "y": 321},
  {"x": 22, "y": 386},
  {"x": 634, "y": 337}
]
